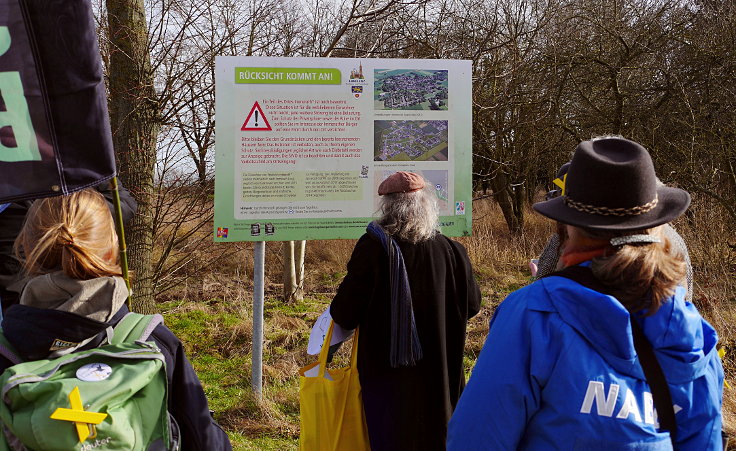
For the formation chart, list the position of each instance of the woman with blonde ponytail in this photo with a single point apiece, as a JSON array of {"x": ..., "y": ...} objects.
[
  {"x": 12, "y": 217},
  {"x": 74, "y": 292},
  {"x": 606, "y": 353},
  {"x": 75, "y": 233}
]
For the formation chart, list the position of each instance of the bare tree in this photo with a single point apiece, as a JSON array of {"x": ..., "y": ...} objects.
[
  {"x": 546, "y": 74},
  {"x": 135, "y": 119}
]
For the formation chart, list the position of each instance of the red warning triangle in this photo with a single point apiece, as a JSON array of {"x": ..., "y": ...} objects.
[{"x": 256, "y": 120}]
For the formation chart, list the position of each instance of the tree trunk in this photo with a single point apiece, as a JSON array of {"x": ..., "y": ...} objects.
[
  {"x": 507, "y": 201},
  {"x": 301, "y": 248},
  {"x": 520, "y": 201},
  {"x": 289, "y": 270},
  {"x": 293, "y": 257},
  {"x": 134, "y": 118}
]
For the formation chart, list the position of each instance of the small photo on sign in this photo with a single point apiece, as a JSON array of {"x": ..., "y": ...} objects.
[
  {"x": 410, "y": 140},
  {"x": 410, "y": 89},
  {"x": 460, "y": 208}
]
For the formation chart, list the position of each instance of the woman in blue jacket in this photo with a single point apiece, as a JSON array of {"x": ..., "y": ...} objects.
[{"x": 559, "y": 369}]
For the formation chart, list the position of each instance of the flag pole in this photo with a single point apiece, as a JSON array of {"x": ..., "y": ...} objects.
[{"x": 121, "y": 236}]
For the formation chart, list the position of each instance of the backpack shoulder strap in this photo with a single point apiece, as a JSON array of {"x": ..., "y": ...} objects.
[
  {"x": 647, "y": 359},
  {"x": 7, "y": 350},
  {"x": 135, "y": 327}
]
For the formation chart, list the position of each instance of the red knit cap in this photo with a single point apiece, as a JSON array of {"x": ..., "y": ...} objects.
[{"x": 401, "y": 182}]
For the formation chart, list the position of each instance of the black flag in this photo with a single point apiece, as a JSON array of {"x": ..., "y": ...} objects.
[{"x": 54, "y": 126}]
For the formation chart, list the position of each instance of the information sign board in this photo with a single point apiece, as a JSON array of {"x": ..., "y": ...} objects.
[{"x": 303, "y": 143}]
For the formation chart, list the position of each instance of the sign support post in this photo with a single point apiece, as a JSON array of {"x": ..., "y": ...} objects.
[{"x": 256, "y": 378}]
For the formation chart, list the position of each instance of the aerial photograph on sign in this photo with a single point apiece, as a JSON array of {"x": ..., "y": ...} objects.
[
  {"x": 405, "y": 89},
  {"x": 410, "y": 140}
]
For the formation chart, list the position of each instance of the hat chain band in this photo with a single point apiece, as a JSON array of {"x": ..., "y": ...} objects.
[{"x": 605, "y": 211}]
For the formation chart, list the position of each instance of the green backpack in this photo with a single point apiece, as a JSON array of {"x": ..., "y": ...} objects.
[{"x": 113, "y": 397}]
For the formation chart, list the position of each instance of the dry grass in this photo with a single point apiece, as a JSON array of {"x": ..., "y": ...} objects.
[
  {"x": 712, "y": 247},
  {"x": 500, "y": 260},
  {"x": 497, "y": 255}
]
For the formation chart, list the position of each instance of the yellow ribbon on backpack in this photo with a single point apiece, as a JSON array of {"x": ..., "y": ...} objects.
[{"x": 83, "y": 420}]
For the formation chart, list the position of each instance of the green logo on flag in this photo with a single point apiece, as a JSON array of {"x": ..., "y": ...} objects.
[{"x": 16, "y": 115}]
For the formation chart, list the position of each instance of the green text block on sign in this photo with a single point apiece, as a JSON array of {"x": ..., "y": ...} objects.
[
  {"x": 301, "y": 185},
  {"x": 286, "y": 75}
]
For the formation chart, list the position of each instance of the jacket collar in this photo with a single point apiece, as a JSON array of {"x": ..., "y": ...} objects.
[{"x": 38, "y": 333}]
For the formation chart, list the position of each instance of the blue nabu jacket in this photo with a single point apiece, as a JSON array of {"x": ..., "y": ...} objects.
[{"x": 559, "y": 371}]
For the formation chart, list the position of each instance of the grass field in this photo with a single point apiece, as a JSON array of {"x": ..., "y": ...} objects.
[{"x": 212, "y": 313}]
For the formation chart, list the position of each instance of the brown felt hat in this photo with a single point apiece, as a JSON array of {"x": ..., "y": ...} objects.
[
  {"x": 611, "y": 185},
  {"x": 401, "y": 182}
]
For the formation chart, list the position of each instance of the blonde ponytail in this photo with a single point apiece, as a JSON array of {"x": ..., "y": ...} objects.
[{"x": 73, "y": 233}]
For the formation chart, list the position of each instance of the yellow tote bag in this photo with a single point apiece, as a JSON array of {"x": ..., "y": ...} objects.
[{"x": 331, "y": 405}]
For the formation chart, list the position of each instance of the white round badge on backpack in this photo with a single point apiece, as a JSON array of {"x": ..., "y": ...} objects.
[
  {"x": 94, "y": 372},
  {"x": 319, "y": 331}
]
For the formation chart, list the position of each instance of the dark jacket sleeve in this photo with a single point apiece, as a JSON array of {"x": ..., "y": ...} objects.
[
  {"x": 467, "y": 278},
  {"x": 187, "y": 401},
  {"x": 356, "y": 290},
  {"x": 4, "y": 364},
  {"x": 11, "y": 222}
]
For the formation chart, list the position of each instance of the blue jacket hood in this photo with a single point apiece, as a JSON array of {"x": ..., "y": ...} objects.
[{"x": 681, "y": 338}]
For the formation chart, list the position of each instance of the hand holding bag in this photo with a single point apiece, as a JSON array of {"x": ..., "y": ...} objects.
[{"x": 331, "y": 404}]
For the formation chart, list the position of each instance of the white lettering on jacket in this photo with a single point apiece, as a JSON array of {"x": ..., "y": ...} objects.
[{"x": 606, "y": 403}]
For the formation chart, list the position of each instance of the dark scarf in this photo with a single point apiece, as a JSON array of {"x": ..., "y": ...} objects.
[{"x": 405, "y": 347}]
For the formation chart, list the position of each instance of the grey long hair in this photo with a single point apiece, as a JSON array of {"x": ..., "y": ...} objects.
[{"x": 412, "y": 216}]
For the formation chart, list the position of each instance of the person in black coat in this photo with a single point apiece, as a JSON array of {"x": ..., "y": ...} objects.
[
  {"x": 74, "y": 292},
  {"x": 411, "y": 291}
]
